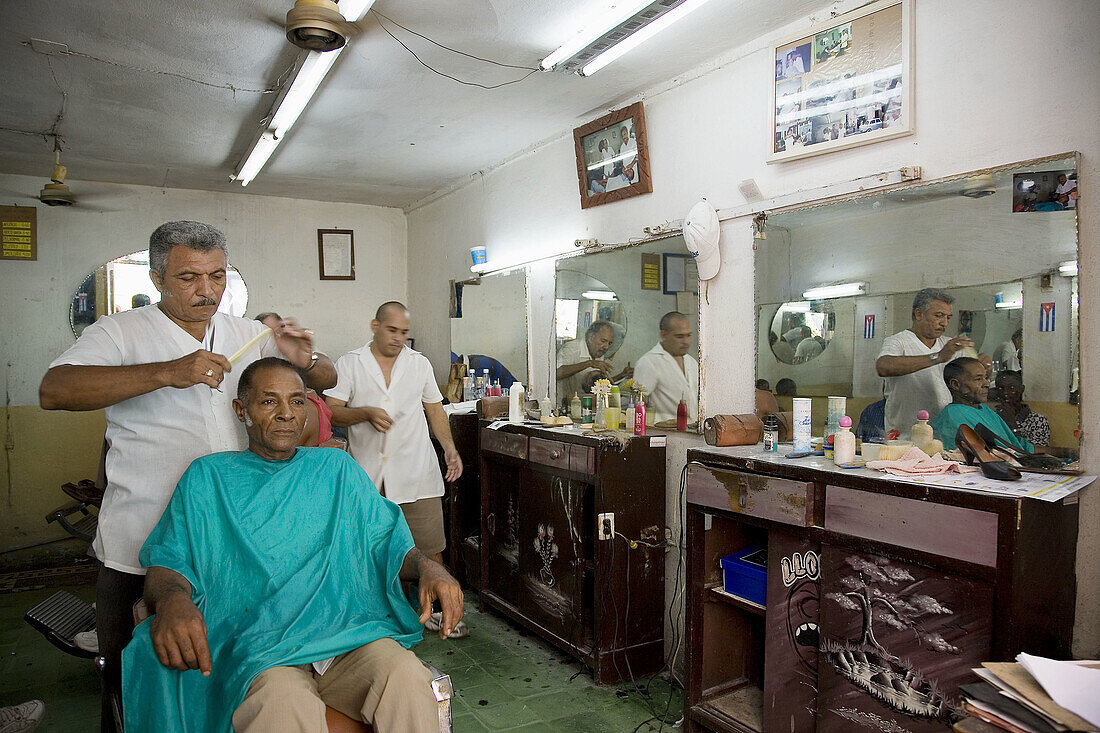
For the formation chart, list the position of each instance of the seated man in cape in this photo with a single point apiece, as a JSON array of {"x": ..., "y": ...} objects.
[
  {"x": 969, "y": 384},
  {"x": 275, "y": 579}
]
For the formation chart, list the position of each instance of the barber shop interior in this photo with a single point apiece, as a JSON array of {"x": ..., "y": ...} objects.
[{"x": 590, "y": 365}]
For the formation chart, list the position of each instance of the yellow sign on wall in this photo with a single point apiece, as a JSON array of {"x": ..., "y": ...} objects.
[
  {"x": 18, "y": 233},
  {"x": 651, "y": 271}
]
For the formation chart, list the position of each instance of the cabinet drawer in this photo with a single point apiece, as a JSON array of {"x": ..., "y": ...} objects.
[
  {"x": 509, "y": 444},
  {"x": 951, "y": 531},
  {"x": 582, "y": 459},
  {"x": 781, "y": 500},
  {"x": 549, "y": 452}
]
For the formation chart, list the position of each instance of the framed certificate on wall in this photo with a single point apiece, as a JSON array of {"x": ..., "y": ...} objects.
[{"x": 336, "y": 254}]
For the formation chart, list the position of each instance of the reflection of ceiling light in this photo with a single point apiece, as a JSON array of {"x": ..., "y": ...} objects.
[
  {"x": 1011, "y": 305},
  {"x": 1068, "y": 268},
  {"x": 977, "y": 187},
  {"x": 800, "y": 307},
  {"x": 641, "y": 36},
  {"x": 835, "y": 291},
  {"x": 598, "y": 295}
]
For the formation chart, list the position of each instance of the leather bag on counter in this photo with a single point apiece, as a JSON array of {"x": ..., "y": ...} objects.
[{"x": 722, "y": 430}]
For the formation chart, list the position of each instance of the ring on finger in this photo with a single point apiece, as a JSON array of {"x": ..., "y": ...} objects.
[{"x": 209, "y": 372}]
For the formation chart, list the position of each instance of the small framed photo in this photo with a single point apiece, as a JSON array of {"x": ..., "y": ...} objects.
[
  {"x": 1044, "y": 191},
  {"x": 336, "y": 254},
  {"x": 613, "y": 157},
  {"x": 843, "y": 83}
]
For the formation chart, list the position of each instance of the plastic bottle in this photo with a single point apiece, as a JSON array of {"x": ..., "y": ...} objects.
[
  {"x": 844, "y": 442},
  {"x": 600, "y": 417},
  {"x": 682, "y": 415},
  {"x": 614, "y": 410},
  {"x": 496, "y": 389},
  {"x": 545, "y": 407},
  {"x": 586, "y": 409},
  {"x": 639, "y": 417},
  {"x": 467, "y": 388},
  {"x": 486, "y": 381},
  {"x": 515, "y": 403},
  {"x": 922, "y": 436},
  {"x": 628, "y": 415},
  {"x": 575, "y": 409}
]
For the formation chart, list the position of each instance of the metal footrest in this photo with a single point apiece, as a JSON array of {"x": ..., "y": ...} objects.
[{"x": 60, "y": 618}]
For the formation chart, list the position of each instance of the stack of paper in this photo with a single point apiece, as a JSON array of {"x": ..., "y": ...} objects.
[{"x": 1036, "y": 695}]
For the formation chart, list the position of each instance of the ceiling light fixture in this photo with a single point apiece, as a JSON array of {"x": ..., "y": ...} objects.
[
  {"x": 640, "y": 36},
  {"x": 599, "y": 295},
  {"x": 1068, "y": 268},
  {"x": 312, "y": 71},
  {"x": 835, "y": 291},
  {"x": 595, "y": 29}
]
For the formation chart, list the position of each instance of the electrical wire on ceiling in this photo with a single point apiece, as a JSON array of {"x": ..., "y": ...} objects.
[{"x": 379, "y": 18}]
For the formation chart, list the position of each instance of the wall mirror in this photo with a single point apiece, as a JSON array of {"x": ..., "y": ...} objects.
[
  {"x": 489, "y": 325},
  {"x": 123, "y": 284},
  {"x": 834, "y": 280},
  {"x": 629, "y": 289}
]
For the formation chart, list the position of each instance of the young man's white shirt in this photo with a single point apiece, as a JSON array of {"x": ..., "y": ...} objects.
[{"x": 659, "y": 373}]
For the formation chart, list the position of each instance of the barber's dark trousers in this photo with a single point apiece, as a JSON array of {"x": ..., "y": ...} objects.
[{"x": 115, "y": 595}]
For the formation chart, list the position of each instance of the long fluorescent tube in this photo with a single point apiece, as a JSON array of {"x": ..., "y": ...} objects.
[
  {"x": 641, "y": 36},
  {"x": 1068, "y": 268},
  {"x": 1011, "y": 305},
  {"x": 596, "y": 28},
  {"x": 834, "y": 291},
  {"x": 306, "y": 81},
  {"x": 599, "y": 295}
]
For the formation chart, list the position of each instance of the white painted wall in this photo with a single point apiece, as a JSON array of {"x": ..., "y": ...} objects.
[
  {"x": 272, "y": 241},
  {"x": 974, "y": 109}
]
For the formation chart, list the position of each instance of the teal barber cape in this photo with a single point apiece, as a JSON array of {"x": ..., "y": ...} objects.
[
  {"x": 291, "y": 562},
  {"x": 946, "y": 424}
]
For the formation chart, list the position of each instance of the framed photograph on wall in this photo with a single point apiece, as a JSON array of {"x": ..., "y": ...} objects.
[
  {"x": 336, "y": 254},
  {"x": 613, "y": 157},
  {"x": 845, "y": 82}
]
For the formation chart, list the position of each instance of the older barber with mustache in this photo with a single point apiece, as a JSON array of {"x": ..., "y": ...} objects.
[{"x": 164, "y": 376}]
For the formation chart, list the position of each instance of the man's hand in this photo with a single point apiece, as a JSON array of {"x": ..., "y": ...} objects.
[
  {"x": 604, "y": 367},
  {"x": 379, "y": 419},
  {"x": 436, "y": 584},
  {"x": 952, "y": 346},
  {"x": 296, "y": 344},
  {"x": 178, "y": 631},
  {"x": 454, "y": 464},
  {"x": 626, "y": 373},
  {"x": 198, "y": 367}
]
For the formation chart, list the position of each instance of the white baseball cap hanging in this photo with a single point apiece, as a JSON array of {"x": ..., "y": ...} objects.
[{"x": 701, "y": 234}]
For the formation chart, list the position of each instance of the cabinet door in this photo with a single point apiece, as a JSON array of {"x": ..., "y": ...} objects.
[
  {"x": 552, "y": 554},
  {"x": 500, "y": 537},
  {"x": 896, "y": 641},
  {"x": 791, "y": 636}
]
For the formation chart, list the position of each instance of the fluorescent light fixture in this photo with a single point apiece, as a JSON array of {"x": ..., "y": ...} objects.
[
  {"x": 1011, "y": 305},
  {"x": 599, "y": 295},
  {"x": 306, "y": 81},
  {"x": 795, "y": 307},
  {"x": 835, "y": 291},
  {"x": 1068, "y": 268},
  {"x": 623, "y": 11},
  {"x": 641, "y": 36}
]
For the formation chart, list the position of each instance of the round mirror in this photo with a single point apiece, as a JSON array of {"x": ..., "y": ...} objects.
[
  {"x": 123, "y": 284},
  {"x": 800, "y": 332},
  {"x": 579, "y": 301}
]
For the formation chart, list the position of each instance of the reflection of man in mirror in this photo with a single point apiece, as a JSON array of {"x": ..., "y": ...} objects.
[
  {"x": 809, "y": 347},
  {"x": 1008, "y": 353},
  {"x": 912, "y": 361},
  {"x": 598, "y": 181},
  {"x": 581, "y": 363},
  {"x": 628, "y": 152},
  {"x": 167, "y": 385},
  {"x": 782, "y": 350},
  {"x": 969, "y": 385},
  {"x": 668, "y": 372}
]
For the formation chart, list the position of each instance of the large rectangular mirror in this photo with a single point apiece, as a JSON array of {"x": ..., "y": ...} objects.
[
  {"x": 834, "y": 281},
  {"x": 608, "y": 311},
  {"x": 489, "y": 325}
]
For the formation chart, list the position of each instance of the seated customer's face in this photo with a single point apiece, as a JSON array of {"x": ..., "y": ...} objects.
[
  {"x": 275, "y": 412},
  {"x": 972, "y": 384}
]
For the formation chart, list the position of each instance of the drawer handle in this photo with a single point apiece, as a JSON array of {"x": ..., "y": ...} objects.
[
  {"x": 491, "y": 522},
  {"x": 555, "y": 454}
]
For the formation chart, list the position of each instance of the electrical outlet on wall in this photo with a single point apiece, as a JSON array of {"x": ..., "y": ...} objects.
[{"x": 605, "y": 526}]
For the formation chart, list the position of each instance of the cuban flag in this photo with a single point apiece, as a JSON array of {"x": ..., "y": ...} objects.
[
  {"x": 869, "y": 326},
  {"x": 1046, "y": 316}
]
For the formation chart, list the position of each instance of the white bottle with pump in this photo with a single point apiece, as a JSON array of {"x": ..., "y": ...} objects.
[
  {"x": 515, "y": 403},
  {"x": 844, "y": 443}
]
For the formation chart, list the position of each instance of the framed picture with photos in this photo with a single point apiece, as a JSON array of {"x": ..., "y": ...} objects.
[
  {"x": 845, "y": 82},
  {"x": 613, "y": 157}
]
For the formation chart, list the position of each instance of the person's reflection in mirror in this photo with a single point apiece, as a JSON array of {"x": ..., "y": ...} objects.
[
  {"x": 782, "y": 350},
  {"x": 581, "y": 363},
  {"x": 786, "y": 388},
  {"x": 1008, "y": 353},
  {"x": 668, "y": 373},
  {"x": 139, "y": 300},
  {"x": 1031, "y": 426},
  {"x": 809, "y": 347},
  {"x": 965, "y": 377},
  {"x": 912, "y": 362}
]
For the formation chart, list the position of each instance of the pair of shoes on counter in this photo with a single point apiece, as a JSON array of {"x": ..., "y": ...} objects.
[
  {"x": 22, "y": 718},
  {"x": 435, "y": 623}
]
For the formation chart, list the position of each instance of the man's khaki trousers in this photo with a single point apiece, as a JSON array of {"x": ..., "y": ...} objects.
[{"x": 381, "y": 683}]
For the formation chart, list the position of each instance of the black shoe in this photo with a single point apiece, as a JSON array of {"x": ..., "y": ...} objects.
[
  {"x": 1029, "y": 460},
  {"x": 974, "y": 449}
]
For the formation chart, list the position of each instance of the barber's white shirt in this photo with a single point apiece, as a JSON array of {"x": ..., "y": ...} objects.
[
  {"x": 402, "y": 458},
  {"x": 920, "y": 390},
  {"x": 659, "y": 373},
  {"x": 573, "y": 352},
  {"x": 155, "y": 436}
]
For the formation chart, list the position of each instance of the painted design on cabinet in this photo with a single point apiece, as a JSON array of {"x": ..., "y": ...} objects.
[
  {"x": 547, "y": 550},
  {"x": 800, "y": 566},
  {"x": 888, "y": 595}
]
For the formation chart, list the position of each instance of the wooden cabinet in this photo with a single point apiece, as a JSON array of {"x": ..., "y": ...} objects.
[
  {"x": 881, "y": 595},
  {"x": 541, "y": 562}
]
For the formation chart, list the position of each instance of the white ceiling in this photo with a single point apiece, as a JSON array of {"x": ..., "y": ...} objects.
[{"x": 383, "y": 129}]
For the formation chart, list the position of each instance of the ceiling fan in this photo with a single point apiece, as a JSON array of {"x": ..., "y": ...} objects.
[
  {"x": 56, "y": 193},
  {"x": 318, "y": 25}
]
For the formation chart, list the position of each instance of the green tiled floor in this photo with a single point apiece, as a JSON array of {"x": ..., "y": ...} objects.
[{"x": 505, "y": 679}]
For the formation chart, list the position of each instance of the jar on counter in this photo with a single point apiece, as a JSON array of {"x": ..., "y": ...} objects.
[{"x": 771, "y": 433}]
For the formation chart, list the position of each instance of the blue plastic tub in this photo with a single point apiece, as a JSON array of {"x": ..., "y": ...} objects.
[{"x": 746, "y": 578}]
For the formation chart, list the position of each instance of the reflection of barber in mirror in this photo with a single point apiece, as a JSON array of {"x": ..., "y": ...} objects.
[
  {"x": 581, "y": 363},
  {"x": 1031, "y": 426},
  {"x": 912, "y": 362},
  {"x": 782, "y": 350},
  {"x": 809, "y": 347},
  {"x": 164, "y": 378},
  {"x": 1008, "y": 353},
  {"x": 668, "y": 372},
  {"x": 966, "y": 379},
  {"x": 318, "y": 427},
  {"x": 629, "y": 162}
]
